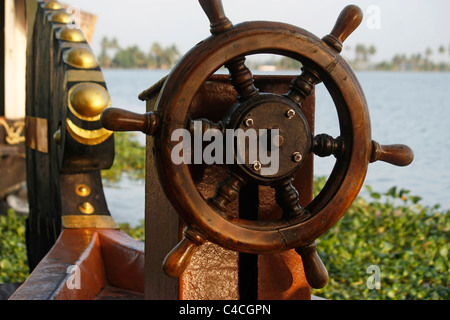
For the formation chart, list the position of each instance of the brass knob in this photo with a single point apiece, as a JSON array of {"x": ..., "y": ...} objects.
[
  {"x": 53, "y": 5},
  {"x": 80, "y": 58},
  {"x": 87, "y": 100},
  {"x": 61, "y": 17},
  {"x": 70, "y": 34},
  {"x": 347, "y": 22}
]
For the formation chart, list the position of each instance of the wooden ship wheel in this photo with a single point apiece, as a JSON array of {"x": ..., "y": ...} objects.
[
  {"x": 69, "y": 139},
  {"x": 295, "y": 143}
]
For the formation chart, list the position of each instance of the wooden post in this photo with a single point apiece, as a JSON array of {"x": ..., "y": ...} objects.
[{"x": 15, "y": 58}]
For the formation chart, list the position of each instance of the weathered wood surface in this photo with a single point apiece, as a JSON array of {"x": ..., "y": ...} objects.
[{"x": 88, "y": 264}]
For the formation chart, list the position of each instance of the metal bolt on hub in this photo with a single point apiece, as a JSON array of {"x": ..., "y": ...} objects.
[{"x": 297, "y": 157}]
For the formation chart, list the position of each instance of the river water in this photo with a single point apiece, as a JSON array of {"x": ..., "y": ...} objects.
[{"x": 405, "y": 107}]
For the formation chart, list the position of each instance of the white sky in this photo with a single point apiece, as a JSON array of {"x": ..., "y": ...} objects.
[{"x": 393, "y": 26}]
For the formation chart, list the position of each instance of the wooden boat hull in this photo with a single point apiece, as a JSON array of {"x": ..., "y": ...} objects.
[{"x": 88, "y": 264}]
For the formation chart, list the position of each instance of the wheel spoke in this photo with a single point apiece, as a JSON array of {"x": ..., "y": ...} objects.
[
  {"x": 203, "y": 125},
  {"x": 325, "y": 145},
  {"x": 302, "y": 86},
  {"x": 241, "y": 79},
  {"x": 227, "y": 191},
  {"x": 287, "y": 198}
]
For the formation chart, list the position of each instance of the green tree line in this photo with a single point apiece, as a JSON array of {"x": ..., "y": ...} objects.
[
  {"x": 363, "y": 60},
  {"x": 421, "y": 61},
  {"x": 112, "y": 55}
]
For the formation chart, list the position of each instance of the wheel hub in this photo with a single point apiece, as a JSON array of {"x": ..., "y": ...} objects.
[{"x": 272, "y": 138}]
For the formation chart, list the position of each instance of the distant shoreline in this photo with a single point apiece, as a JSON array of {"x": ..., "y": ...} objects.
[
  {"x": 114, "y": 56},
  {"x": 276, "y": 70}
]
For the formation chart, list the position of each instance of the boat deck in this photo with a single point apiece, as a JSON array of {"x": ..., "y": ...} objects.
[{"x": 109, "y": 262}]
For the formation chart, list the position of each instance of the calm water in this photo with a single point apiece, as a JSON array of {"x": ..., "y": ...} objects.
[{"x": 407, "y": 108}]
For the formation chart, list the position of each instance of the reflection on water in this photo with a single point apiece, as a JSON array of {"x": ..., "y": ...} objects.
[
  {"x": 408, "y": 108},
  {"x": 126, "y": 200}
]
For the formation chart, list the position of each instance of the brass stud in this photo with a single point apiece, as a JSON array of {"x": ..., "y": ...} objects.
[
  {"x": 71, "y": 35},
  {"x": 86, "y": 208},
  {"x": 80, "y": 57},
  {"x": 83, "y": 190},
  {"x": 53, "y": 5},
  {"x": 87, "y": 101},
  {"x": 87, "y": 137},
  {"x": 57, "y": 137},
  {"x": 61, "y": 17}
]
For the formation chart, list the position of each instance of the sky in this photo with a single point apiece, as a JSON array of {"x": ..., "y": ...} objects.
[{"x": 392, "y": 26}]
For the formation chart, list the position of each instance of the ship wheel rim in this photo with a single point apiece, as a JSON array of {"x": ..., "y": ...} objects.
[{"x": 331, "y": 203}]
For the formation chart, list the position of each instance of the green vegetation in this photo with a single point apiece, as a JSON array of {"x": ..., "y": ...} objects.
[
  {"x": 363, "y": 56},
  {"x": 401, "y": 62},
  {"x": 112, "y": 55},
  {"x": 129, "y": 158},
  {"x": 13, "y": 251},
  {"x": 133, "y": 57},
  {"x": 407, "y": 241},
  {"x": 137, "y": 232}
]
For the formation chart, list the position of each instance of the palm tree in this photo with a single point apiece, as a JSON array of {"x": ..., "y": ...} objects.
[
  {"x": 361, "y": 52},
  {"x": 114, "y": 44},
  {"x": 106, "y": 44},
  {"x": 103, "y": 58},
  {"x": 442, "y": 51},
  {"x": 156, "y": 52},
  {"x": 428, "y": 54},
  {"x": 372, "y": 50},
  {"x": 173, "y": 54}
]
